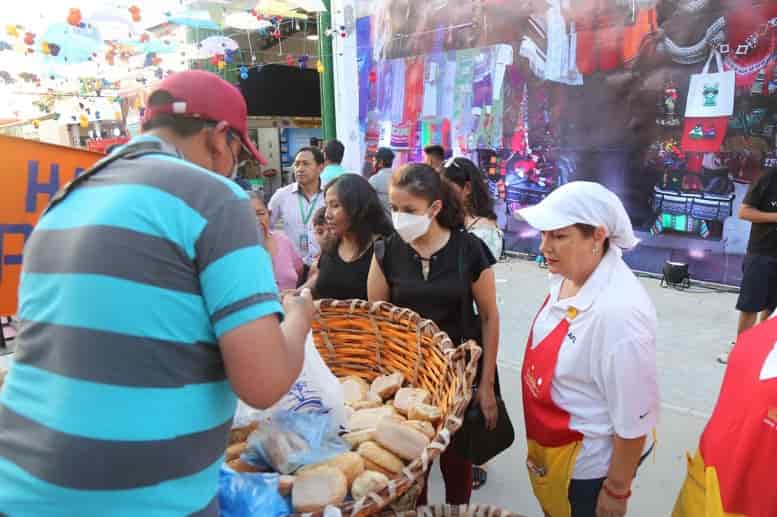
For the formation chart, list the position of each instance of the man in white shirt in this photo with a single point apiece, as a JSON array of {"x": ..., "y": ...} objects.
[
  {"x": 382, "y": 163},
  {"x": 295, "y": 204}
]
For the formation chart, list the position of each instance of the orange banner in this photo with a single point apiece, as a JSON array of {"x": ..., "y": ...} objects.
[{"x": 31, "y": 174}]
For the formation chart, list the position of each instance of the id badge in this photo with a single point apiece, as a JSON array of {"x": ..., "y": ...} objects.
[{"x": 304, "y": 244}]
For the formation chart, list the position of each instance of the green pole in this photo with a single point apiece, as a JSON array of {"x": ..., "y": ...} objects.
[{"x": 328, "y": 124}]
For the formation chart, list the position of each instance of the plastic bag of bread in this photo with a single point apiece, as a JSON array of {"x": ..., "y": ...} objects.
[
  {"x": 316, "y": 390},
  {"x": 315, "y": 490},
  {"x": 288, "y": 440},
  {"x": 406, "y": 398},
  {"x": 244, "y": 495}
]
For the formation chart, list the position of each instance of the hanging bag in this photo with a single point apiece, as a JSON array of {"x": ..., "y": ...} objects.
[
  {"x": 711, "y": 94},
  {"x": 473, "y": 442}
]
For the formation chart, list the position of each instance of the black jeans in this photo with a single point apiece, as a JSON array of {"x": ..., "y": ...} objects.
[{"x": 584, "y": 493}]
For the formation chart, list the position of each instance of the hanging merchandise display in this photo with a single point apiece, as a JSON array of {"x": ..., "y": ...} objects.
[{"x": 709, "y": 105}]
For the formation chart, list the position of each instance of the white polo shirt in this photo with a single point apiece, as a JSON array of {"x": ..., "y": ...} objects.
[
  {"x": 606, "y": 373},
  {"x": 291, "y": 206}
]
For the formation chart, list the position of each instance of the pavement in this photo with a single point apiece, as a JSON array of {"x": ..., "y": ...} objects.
[{"x": 693, "y": 328}]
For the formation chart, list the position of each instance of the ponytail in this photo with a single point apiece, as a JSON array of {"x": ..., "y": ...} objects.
[{"x": 422, "y": 181}]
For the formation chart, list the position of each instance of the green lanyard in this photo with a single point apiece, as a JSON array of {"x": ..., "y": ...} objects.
[{"x": 306, "y": 218}]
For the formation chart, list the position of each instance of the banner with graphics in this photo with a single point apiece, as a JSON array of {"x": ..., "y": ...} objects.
[
  {"x": 32, "y": 173},
  {"x": 539, "y": 93}
]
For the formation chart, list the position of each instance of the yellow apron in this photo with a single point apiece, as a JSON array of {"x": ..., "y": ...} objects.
[{"x": 700, "y": 495}]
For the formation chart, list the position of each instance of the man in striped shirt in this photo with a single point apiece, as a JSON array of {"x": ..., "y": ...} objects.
[{"x": 147, "y": 302}]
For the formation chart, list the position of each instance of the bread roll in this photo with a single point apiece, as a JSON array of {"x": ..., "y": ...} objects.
[
  {"x": 386, "y": 386},
  {"x": 359, "y": 437},
  {"x": 355, "y": 389},
  {"x": 234, "y": 451},
  {"x": 370, "y": 401},
  {"x": 408, "y": 397},
  {"x": 350, "y": 464},
  {"x": 280, "y": 446},
  {"x": 369, "y": 418},
  {"x": 425, "y": 413},
  {"x": 425, "y": 427},
  {"x": 241, "y": 434},
  {"x": 239, "y": 465},
  {"x": 374, "y": 467},
  {"x": 401, "y": 439},
  {"x": 285, "y": 485},
  {"x": 368, "y": 483},
  {"x": 317, "y": 489},
  {"x": 374, "y": 453}
]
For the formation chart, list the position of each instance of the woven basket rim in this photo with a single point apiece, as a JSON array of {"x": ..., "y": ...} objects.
[{"x": 463, "y": 358}]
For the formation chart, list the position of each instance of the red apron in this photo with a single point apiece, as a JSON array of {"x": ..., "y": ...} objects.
[
  {"x": 733, "y": 473},
  {"x": 553, "y": 446}
]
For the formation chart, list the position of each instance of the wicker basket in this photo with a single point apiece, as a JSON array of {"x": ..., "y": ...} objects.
[
  {"x": 367, "y": 340},
  {"x": 454, "y": 511}
]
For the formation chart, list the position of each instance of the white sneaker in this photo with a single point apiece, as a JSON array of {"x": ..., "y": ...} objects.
[{"x": 723, "y": 358}]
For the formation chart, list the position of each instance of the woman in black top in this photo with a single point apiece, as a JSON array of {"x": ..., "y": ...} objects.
[
  {"x": 355, "y": 218},
  {"x": 433, "y": 266}
]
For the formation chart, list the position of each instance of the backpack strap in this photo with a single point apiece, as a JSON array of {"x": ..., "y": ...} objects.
[{"x": 129, "y": 152}]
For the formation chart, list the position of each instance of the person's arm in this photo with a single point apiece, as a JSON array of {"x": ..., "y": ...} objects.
[
  {"x": 377, "y": 285},
  {"x": 755, "y": 196},
  {"x": 748, "y": 213},
  {"x": 484, "y": 292},
  {"x": 261, "y": 357},
  {"x": 627, "y": 375},
  {"x": 625, "y": 460}
]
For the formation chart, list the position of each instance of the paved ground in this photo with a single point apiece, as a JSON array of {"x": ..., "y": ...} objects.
[{"x": 693, "y": 328}]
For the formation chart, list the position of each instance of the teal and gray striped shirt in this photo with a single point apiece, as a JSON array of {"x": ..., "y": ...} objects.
[{"x": 117, "y": 402}]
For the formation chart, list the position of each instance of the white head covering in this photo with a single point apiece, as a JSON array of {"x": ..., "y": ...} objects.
[{"x": 583, "y": 202}]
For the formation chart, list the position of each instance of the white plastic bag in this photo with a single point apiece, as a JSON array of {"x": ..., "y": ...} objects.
[{"x": 316, "y": 390}]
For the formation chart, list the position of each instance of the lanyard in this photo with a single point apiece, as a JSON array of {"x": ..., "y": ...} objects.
[{"x": 306, "y": 218}]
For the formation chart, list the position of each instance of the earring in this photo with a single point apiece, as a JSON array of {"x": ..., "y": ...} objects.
[{"x": 595, "y": 250}]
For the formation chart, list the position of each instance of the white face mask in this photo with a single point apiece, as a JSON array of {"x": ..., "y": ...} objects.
[{"x": 411, "y": 226}]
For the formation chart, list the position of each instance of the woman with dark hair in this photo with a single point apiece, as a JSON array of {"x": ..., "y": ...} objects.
[
  {"x": 436, "y": 268},
  {"x": 355, "y": 218},
  {"x": 480, "y": 219}
]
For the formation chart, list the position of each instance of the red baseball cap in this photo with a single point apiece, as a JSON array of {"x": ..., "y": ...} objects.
[{"x": 205, "y": 95}]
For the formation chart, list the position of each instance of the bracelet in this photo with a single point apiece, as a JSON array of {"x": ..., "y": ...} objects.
[{"x": 619, "y": 497}]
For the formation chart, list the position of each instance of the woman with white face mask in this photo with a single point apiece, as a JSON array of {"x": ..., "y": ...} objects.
[{"x": 436, "y": 268}]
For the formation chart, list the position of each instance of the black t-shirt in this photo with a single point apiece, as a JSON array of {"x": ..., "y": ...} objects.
[
  {"x": 342, "y": 280},
  {"x": 448, "y": 291},
  {"x": 763, "y": 196}
]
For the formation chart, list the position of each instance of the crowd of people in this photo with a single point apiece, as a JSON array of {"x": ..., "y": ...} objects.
[{"x": 146, "y": 314}]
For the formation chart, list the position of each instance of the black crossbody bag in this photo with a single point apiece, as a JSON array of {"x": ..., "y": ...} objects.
[{"x": 473, "y": 441}]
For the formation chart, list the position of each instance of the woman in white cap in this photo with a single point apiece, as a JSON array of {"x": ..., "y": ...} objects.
[{"x": 589, "y": 373}]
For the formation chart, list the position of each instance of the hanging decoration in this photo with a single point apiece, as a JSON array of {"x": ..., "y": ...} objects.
[
  {"x": 244, "y": 72},
  {"x": 303, "y": 61},
  {"x": 12, "y": 30},
  {"x": 29, "y": 39},
  {"x": 290, "y": 60},
  {"x": 320, "y": 67},
  {"x": 74, "y": 17},
  {"x": 216, "y": 45},
  {"x": 135, "y": 12}
]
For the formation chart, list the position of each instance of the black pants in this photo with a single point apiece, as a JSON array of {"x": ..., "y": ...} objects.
[{"x": 584, "y": 493}]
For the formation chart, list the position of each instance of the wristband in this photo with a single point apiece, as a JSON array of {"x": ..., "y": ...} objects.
[{"x": 614, "y": 495}]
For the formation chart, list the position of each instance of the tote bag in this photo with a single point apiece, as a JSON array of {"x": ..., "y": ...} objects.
[{"x": 711, "y": 94}]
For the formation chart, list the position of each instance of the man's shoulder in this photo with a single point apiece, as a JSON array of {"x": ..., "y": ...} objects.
[{"x": 283, "y": 192}]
